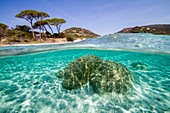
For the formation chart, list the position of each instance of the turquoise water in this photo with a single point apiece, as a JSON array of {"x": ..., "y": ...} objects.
[{"x": 28, "y": 83}]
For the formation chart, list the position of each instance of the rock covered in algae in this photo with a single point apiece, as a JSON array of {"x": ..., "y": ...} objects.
[
  {"x": 79, "y": 72},
  {"x": 139, "y": 65},
  {"x": 111, "y": 77},
  {"x": 102, "y": 75}
]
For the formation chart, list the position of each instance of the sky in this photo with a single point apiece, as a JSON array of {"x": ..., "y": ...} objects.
[{"x": 100, "y": 16}]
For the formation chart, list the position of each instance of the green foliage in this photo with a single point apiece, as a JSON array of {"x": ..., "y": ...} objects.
[
  {"x": 31, "y": 15},
  {"x": 61, "y": 35},
  {"x": 55, "y": 35},
  {"x": 47, "y": 22},
  {"x": 80, "y": 33},
  {"x": 28, "y": 15},
  {"x": 19, "y": 36},
  {"x": 57, "y": 22},
  {"x": 41, "y": 15},
  {"x": 23, "y": 28},
  {"x": 69, "y": 38},
  {"x": 17, "y": 33},
  {"x": 136, "y": 29},
  {"x": 40, "y": 24},
  {"x": 3, "y": 30},
  {"x": 14, "y": 38},
  {"x": 36, "y": 19},
  {"x": 37, "y": 25},
  {"x": 3, "y": 26},
  {"x": 159, "y": 29}
]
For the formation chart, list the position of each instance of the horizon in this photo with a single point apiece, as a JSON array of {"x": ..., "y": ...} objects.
[{"x": 99, "y": 16}]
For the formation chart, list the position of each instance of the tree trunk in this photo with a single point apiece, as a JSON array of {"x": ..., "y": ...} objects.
[
  {"x": 32, "y": 31},
  {"x": 43, "y": 33},
  {"x": 51, "y": 29},
  {"x": 58, "y": 29},
  {"x": 45, "y": 28},
  {"x": 40, "y": 33}
]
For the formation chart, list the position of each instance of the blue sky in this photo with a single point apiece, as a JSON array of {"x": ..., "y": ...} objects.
[{"x": 100, "y": 16}]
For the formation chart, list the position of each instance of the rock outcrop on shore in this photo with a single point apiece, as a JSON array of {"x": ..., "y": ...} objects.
[
  {"x": 104, "y": 76},
  {"x": 159, "y": 29}
]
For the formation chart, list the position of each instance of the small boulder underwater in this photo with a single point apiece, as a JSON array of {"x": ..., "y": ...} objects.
[
  {"x": 103, "y": 75},
  {"x": 139, "y": 65}
]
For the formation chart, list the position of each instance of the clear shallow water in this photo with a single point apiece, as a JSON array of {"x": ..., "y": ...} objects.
[{"x": 28, "y": 83}]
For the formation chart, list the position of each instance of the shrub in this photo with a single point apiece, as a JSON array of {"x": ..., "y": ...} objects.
[
  {"x": 69, "y": 38},
  {"x": 14, "y": 39},
  {"x": 55, "y": 35},
  {"x": 48, "y": 34},
  {"x": 61, "y": 35}
]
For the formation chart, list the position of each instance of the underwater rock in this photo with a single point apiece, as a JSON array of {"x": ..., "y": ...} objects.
[
  {"x": 79, "y": 72},
  {"x": 139, "y": 65},
  {"x": 36, "y": 83},
  {"x": 111, "y": 77},
  {"x": 102, "y": 75}
]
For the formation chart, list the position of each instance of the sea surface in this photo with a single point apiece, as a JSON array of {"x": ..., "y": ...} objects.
[{"x": 28, "y": 81}]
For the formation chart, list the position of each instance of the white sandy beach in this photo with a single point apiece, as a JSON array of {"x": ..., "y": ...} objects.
[
  {"x": 29, "y": 44},
  {"x": 32, "y": 44}
]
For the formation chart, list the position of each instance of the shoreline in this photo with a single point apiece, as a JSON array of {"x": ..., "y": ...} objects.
[
  {"x": 29, "y": 44},
  {"x": 45, "y": 43}
]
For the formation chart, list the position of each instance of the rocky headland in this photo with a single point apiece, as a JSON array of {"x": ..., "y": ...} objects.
[{"x": 158, "y": 29}]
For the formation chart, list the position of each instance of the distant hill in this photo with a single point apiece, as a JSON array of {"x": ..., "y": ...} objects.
[
  {"x": 77, "y": 32},
  {"x": 160, "y": 29}
]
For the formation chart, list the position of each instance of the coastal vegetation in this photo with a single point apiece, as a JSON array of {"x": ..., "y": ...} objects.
[
  {"x": 40, "y": 29},
  {"x": 3, "y": 30},
  {"x": 80, "y": 32},
  {"x": 158, "y": 29}
]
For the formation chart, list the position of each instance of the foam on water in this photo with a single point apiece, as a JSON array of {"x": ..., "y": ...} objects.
[{"x": 28, "y": 83}]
